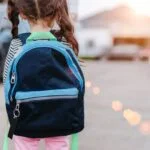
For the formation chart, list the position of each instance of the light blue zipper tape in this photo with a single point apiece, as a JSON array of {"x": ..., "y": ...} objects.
[
  {"x": 47, "y": 93},
  {"x": 7, "y": 84},
  {"x": 50, "y": 44},
  {"x": 72, "y": 52},
  {"x": 46, "y": 98}
]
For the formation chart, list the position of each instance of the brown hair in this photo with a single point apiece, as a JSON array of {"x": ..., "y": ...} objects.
[
  {"x": 13, "y": 15},
  {"x": 44, "y": 9}
]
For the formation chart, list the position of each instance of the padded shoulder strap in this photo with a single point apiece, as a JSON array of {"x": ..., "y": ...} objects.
[
  {"x": 41, "y": 36},
  {"x": 28, "y": 37},
  {"x": 23, "y": 37}
]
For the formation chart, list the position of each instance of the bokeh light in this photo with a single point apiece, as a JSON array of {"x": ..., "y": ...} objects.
[
  {"x": 117, "y": 106},
  {"x": 133, "y": 118},
  {"x": 145, "y": 127},
  {"x": 88, "y": 84},
  {"x": 96, "y": 90}
]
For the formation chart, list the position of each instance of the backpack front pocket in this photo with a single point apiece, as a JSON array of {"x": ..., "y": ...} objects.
[
  {"x": 47, "y": 111},
  {"x": 35, "y": 96}
]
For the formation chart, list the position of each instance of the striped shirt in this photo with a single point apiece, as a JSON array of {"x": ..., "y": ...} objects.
[{"x": 15, "y": 45}]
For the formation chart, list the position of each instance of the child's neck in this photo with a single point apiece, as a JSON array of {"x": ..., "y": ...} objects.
[{"x": 39, "y": 27}]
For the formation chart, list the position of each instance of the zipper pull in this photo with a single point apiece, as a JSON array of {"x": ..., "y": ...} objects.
[
  {"x": 14, "y": 121},
  {"x": 11, "y": 99},
  {"x": 17, "y": 111},
  {"x": 13, "y": 78}
]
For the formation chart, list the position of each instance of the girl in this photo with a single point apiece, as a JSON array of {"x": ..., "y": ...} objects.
[{"x": 41, "y": 15}]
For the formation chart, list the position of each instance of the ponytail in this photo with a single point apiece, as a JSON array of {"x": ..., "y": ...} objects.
[
  {"x": 55, "y": 9},
  {"x": 13, "y": 15},
  {"x": 66, "y": 27}
]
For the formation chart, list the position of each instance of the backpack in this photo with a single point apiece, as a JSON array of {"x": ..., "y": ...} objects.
[{"x": 44, "y": 89}]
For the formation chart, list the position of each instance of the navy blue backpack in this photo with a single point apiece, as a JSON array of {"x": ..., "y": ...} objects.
[{"x": 44, "y": 89}]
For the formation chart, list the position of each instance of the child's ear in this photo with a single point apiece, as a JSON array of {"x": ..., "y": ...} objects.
[{"x": 23, "y": 16}]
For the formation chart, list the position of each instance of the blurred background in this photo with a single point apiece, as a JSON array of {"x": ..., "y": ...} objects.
[{"x": 114, "y": 39}]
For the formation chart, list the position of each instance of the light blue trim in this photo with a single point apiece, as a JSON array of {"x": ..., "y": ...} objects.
[
  {"x": 68, "y": 48},
  {"x": 71, "y": 50},
  {"x": 34, "y": 94},
  {"x": 50, "y": 44},
  {"x": 14, "y": 85},
  {"x": 7, "y": 84}
]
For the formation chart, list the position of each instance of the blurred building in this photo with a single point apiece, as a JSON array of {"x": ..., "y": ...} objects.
[
  {"x": 122, "y": 20},
  {"x": 73, "y": 8},
  {"x": 94, "y": 43},
  {"x": 125, "y": 25}
]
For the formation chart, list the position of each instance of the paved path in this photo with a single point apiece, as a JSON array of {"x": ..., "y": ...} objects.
[{"x": 127, "y": 82}]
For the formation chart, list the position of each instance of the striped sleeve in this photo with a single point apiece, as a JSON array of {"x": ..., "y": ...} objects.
[{"x": 14, "y": 47}]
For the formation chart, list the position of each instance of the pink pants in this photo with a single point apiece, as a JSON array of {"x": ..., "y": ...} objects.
[{"x": 55, "y": 143}]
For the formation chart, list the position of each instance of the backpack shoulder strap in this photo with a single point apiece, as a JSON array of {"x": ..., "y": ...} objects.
[
  {"x": 29, "y": 37},
  {"x": 23, "y": 37},
  {"x": 41, "y": 36}
]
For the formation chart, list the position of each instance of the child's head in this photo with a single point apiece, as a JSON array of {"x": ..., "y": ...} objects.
[{"x": 45, "y": 11}]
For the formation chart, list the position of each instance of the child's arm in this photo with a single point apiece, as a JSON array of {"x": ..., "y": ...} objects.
[{"x": 14, "y": 46}]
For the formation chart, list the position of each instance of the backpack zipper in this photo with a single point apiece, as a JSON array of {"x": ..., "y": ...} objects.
[
  {"x": 16, "y": 112},
  {"x": 73, "y": 68},
  {"x": 13, "y": 78},
  {"x": 46, "y": 98},
  {"x": 12, "y": 81}
]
